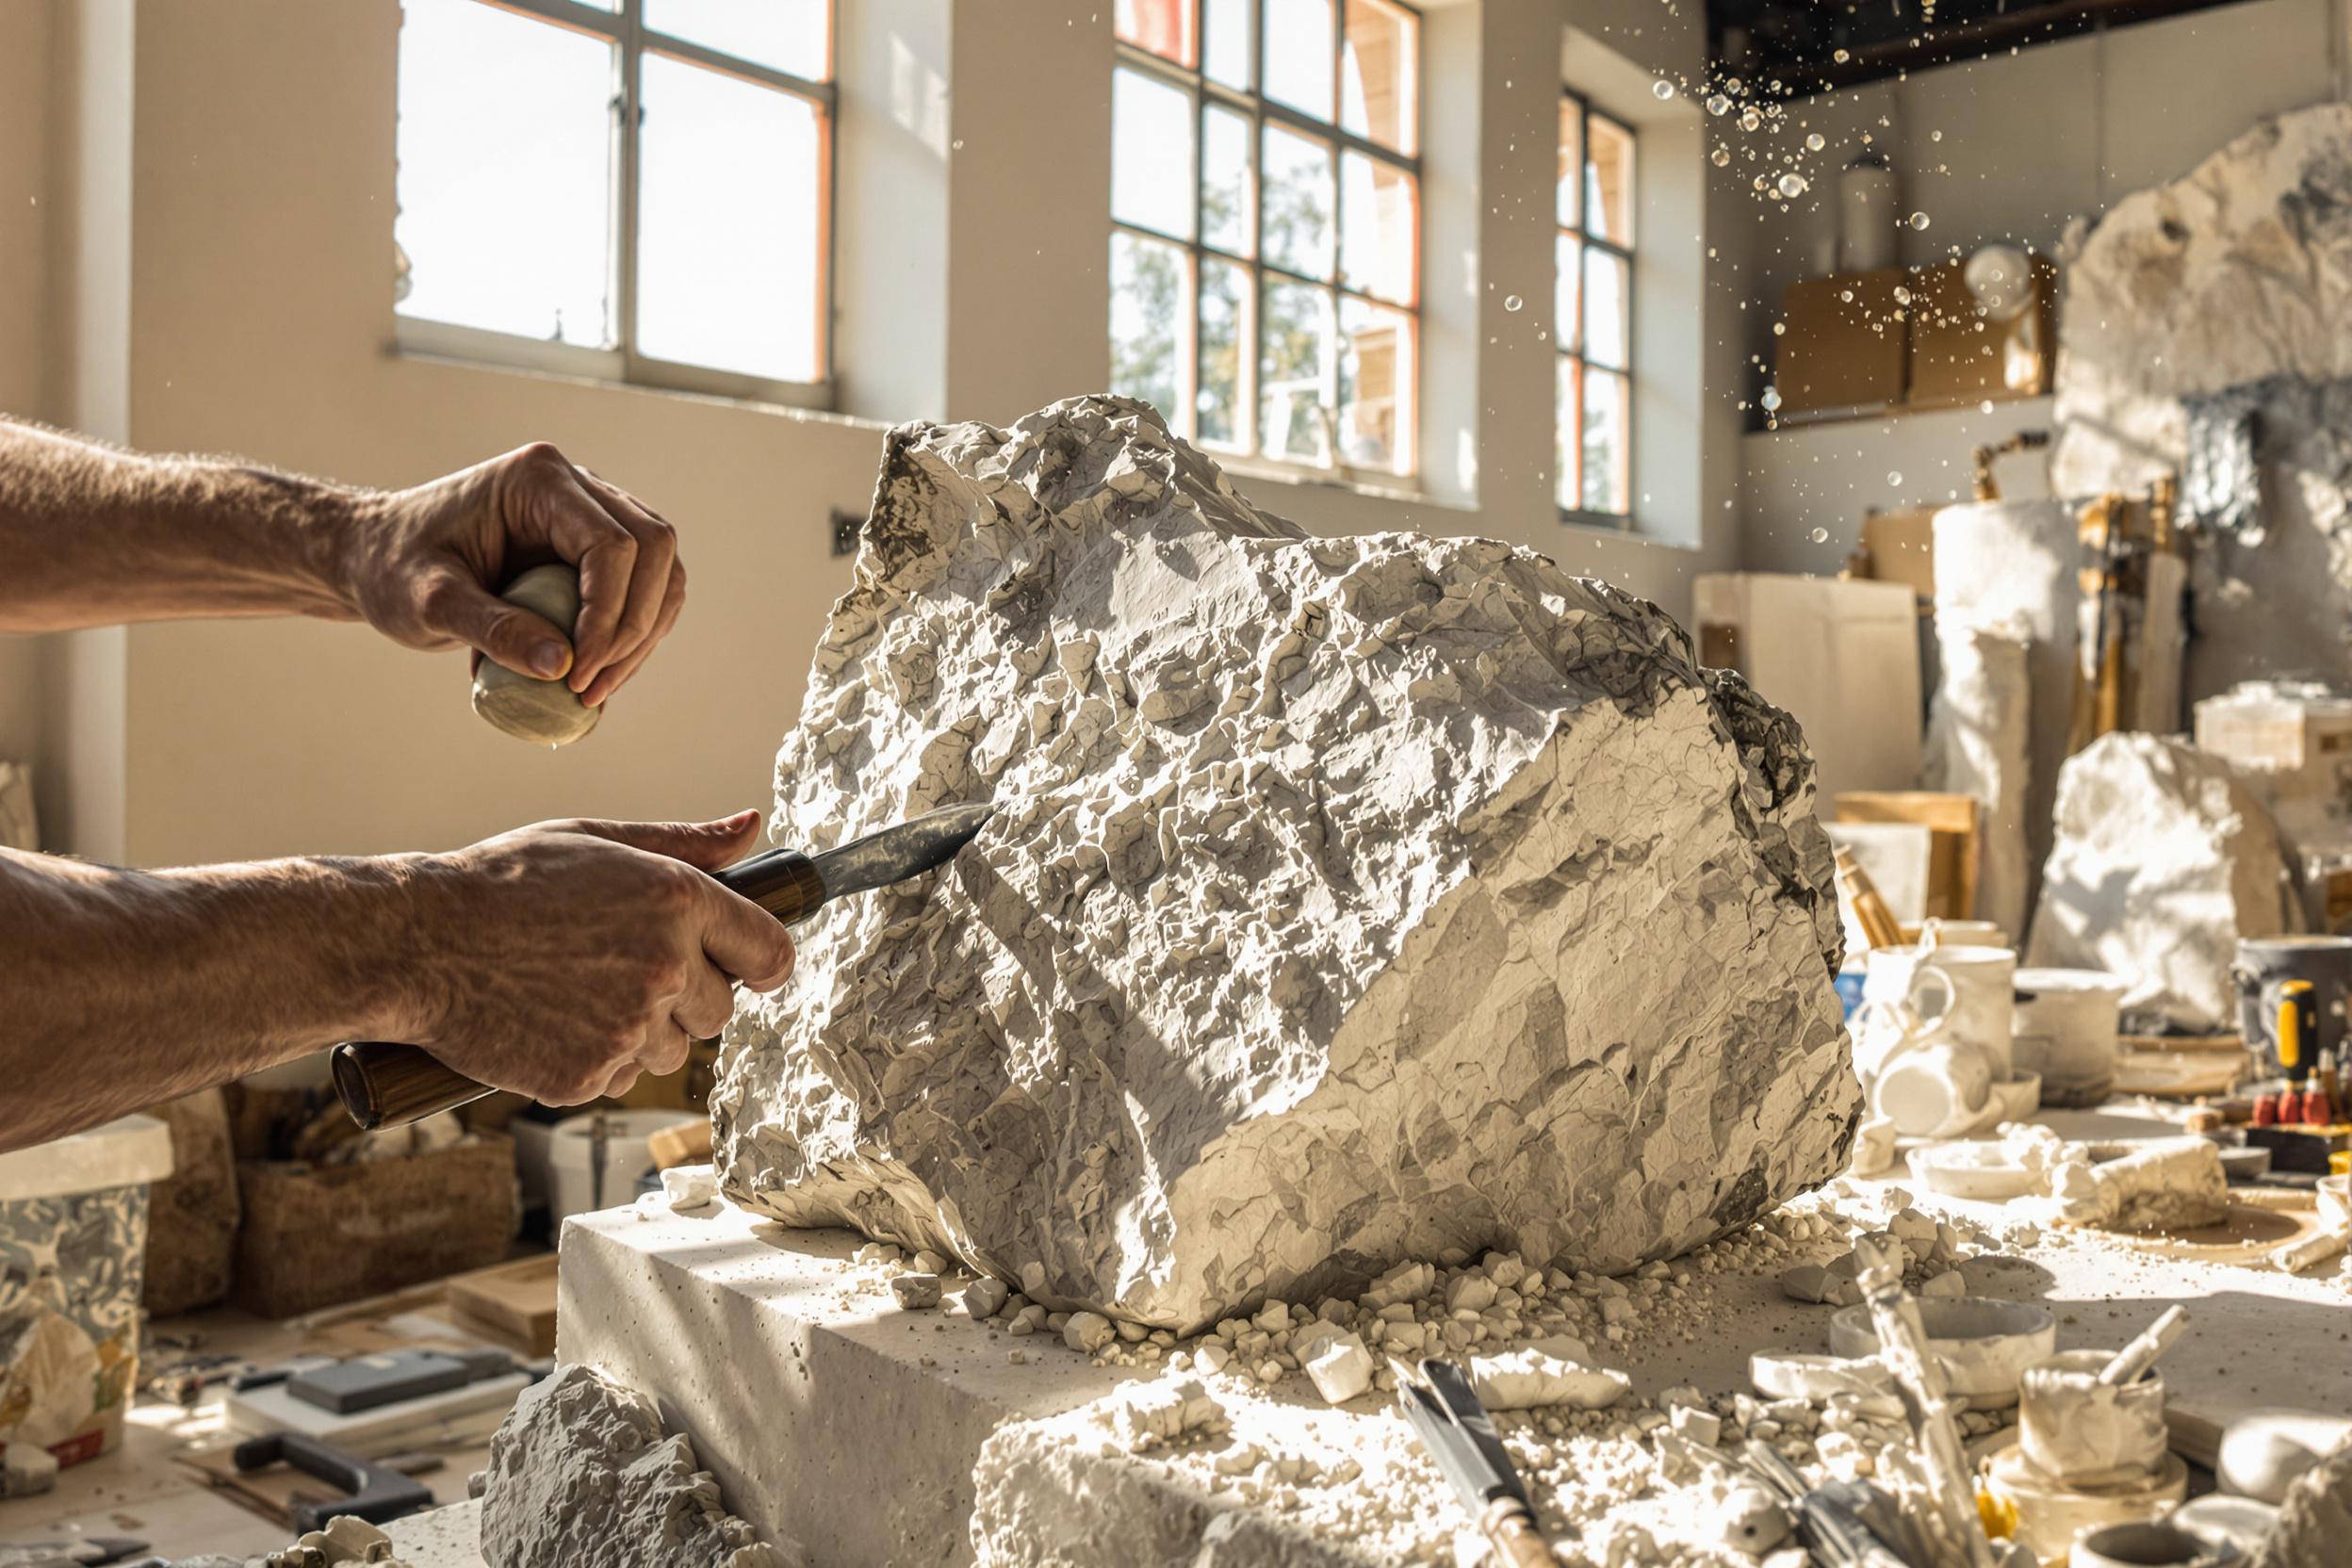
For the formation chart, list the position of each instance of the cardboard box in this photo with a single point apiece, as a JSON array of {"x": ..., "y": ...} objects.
[
  {"x": 1950, "y": 822},
  {"x": 1901, "y": 545},
  {"x": 1841, "y": 655},
  {"x": 1952, "y": 364},
  {"x": 1844, "y": 349},
  {"x": 318, "y": 1235}
]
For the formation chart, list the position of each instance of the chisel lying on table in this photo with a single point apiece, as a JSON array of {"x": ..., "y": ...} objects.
[
  {"x": 1444, "y": 1411},
  {"x": 385, "y": 1085}
]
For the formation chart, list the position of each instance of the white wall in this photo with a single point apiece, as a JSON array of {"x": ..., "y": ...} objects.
[
  {"x": 2028, "y": 142},
  {"x": 25, "y": 351},
  {"x": 228, "y": 290}
]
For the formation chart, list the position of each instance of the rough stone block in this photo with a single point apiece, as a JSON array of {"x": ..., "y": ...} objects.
[
  {"x": 1348, "y": 900},
  {"x": 582, "y": 1475},
  {"x": 2163, "y": 862}
]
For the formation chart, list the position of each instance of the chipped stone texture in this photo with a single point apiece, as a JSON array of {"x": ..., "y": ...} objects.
[
  {"x": 2163, "y": 861},
  {"x": 2236, "y": 276},
  {"x": 2314, "y": 1517},
  {"x": 1349, "y": 900},
  {"x": 2165, "y": 1184},
  {"x": 582, "y": 1477}
]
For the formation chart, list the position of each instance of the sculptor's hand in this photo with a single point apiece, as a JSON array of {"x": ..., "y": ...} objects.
[
  {"x": 424, "y": 565},
  {"x": 562, "y": 959}
]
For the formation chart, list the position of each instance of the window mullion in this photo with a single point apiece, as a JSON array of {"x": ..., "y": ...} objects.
[{"x": 632, "y": 112}]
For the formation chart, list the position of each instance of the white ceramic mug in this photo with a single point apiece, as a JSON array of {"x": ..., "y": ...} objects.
[
  {"x": 1936, "y": 1088},
  {"x": 1982, "y": 982}
]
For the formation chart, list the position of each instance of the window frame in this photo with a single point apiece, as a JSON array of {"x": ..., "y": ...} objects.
[
  {"x": 1251, "y": 104},
  {"x": 1570, "y": 335},
  {"x": 622, "y": 362}
]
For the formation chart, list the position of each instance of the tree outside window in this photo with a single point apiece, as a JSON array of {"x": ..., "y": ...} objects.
[{"x": 1265, "y": 207}]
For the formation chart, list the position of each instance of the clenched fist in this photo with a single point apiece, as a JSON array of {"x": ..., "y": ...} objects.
[
  {"x": 563, "y": 959},
  {"x": 424, "y": 566}
]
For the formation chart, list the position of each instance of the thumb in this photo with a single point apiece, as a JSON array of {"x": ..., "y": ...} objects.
[
  {"x": 704, "y": 845},
  {"x": 457, "y": 606}
]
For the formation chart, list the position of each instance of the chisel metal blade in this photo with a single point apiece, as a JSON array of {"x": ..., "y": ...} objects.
[
  {"x": 895, "y": 854},
  {"x": 1446, "y": 1415}
]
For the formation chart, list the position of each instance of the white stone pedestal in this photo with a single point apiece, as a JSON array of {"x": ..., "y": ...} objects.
[{"x": 804, "y": 1391}]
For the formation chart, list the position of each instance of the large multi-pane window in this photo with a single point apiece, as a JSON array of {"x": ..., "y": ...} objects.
[
  {"x": 1594, "y": 307},
  {"x": 1266, "y": 213},
  {"x": 639, "y": 188}
]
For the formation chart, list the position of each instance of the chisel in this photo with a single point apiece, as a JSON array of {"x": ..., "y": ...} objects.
[{"x": 385, "y": 1085}]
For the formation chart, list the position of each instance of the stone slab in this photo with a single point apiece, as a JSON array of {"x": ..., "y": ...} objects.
[{"x": 804, "y": 1390}]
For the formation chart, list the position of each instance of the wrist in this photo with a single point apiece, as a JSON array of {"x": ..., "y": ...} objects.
[
  {"x": 324, "y": 530},
  {"x": 398, "y": 984}
]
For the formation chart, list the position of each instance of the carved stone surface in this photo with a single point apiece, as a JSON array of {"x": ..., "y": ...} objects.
[
  {"x": 1349, "y": 900},
  {"x": 2236, "y": 279},
  {"x": 581, "y": 1475},
  {"x": 2164, "y": 860}
]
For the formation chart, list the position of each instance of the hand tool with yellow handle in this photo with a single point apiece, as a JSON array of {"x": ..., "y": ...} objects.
[
  {"x": 387, "y": 1085},
  {"x": 2298, "y": 1028}
]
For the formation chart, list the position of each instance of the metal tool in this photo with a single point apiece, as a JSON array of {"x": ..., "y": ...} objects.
[
  {"x": 1444, "y": 1413},
  {"x": 1831, "y": 1520},
  {"x": 386, "y": 1085},
  {"x": 374, "y": 1493}
]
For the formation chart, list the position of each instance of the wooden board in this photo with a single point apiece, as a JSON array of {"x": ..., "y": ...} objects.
[
  {"x": 513, "y": 1304},
  {"x": 2180, "y": 1075},
  {"x": 1951, "y": 822}
]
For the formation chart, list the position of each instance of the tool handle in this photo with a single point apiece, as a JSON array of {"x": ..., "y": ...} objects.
[
  {"x": 1517, "y": 1543},
  {"x": 387, "y": 1085}
]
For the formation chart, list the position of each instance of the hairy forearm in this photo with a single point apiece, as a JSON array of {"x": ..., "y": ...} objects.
[
  {"x": 93, "y": 536},
  {"x": 120, "y": 989}
]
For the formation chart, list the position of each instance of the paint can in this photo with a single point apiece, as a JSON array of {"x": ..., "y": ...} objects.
[
  {"x": 2083, "y": 1432},
  {"x": 2065, "y": 1031},
  {"x": 2264, "y": 964}
]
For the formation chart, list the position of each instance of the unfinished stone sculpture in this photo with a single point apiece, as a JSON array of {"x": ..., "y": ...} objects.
[
  {"x": 2229, "y": 290},
  {"x": 1348, "y": 900},
  {"x": 2163, "y": 862},
  {"x": 581, "y": 1475}
]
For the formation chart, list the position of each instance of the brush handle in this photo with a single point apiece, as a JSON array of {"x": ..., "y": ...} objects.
[
  {"x": 387, "y": 1084},
  {"x": 1511, "y": 1528}
]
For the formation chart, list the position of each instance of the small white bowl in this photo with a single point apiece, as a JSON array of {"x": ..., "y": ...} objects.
[{"x": 1984, "y": 1343}]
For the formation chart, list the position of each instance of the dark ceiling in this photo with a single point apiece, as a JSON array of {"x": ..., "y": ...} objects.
[{"x": 1788, "y": 47}]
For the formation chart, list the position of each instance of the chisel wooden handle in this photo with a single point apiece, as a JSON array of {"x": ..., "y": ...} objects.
[
  {"x": 386, "y": 1085},
  {"x": 1517, "y": 1543}
]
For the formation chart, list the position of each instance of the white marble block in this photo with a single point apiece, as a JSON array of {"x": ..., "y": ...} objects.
[
  {"x": 2163, "y": 861},
  {"x": 1348, "y": 900}
]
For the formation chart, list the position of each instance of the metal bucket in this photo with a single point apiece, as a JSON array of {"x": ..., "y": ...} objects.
[{"x": 2264, "y": 964}]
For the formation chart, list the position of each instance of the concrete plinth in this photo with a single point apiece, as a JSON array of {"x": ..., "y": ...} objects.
[{"x": 831, "y": 1417}]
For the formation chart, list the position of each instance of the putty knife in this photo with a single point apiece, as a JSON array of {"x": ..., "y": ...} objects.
[{"x": 385, "y": 1085}]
